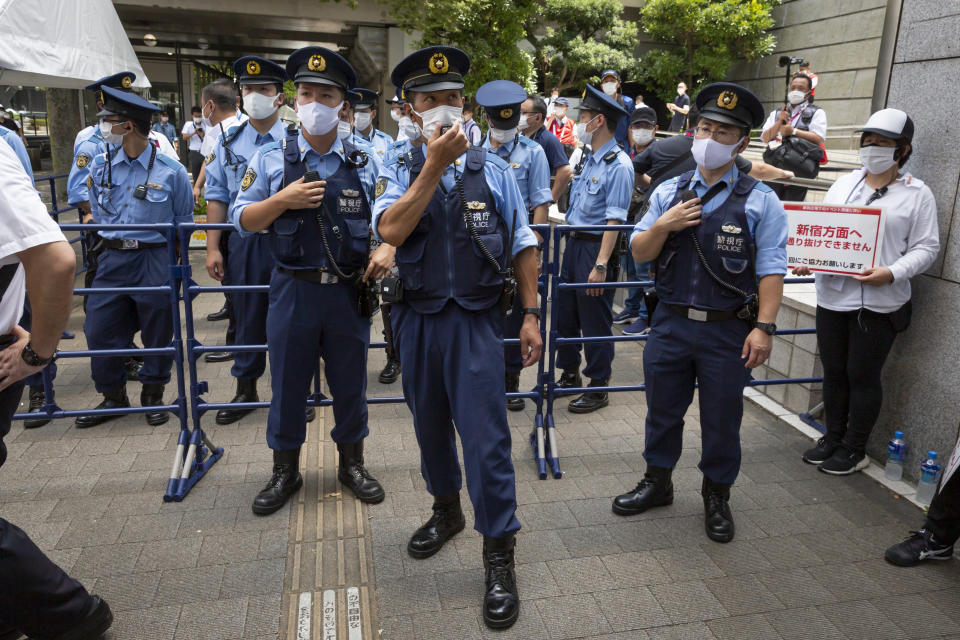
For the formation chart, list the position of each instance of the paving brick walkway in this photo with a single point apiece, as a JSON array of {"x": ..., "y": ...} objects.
[{"x": 806, "y": 562}]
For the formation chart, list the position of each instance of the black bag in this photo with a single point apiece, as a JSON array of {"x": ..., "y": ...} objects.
[
  {"x": 796, "y": 154},
  {"x": 900, "y": 319}
]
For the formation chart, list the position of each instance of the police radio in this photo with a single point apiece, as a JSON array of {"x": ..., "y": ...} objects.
[{"x": 140, "y": 192}]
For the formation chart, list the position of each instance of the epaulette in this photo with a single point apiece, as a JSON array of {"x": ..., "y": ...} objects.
[
  {"x": 497, "y": 161},
  {"x": 762, "y": 186},
  {"x": 170, "y": 162},
  {"x": 527, "y": 142},
  {"x": 270, "y": 146}
]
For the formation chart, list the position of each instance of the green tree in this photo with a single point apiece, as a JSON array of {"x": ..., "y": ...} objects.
[{"x": 703, "y": 39}]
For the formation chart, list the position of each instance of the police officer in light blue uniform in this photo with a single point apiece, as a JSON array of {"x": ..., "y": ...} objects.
[
  {"x": 717, "y": 239},
  {"x": 251, "y": 261},
  {"x": 365, "y": 119},
  {"x": 600, "y": 195},
  {"x": 164, "y": 128},
  {"x": 319, "y": 228},
  {"x": 132, "y": 183},
  {"x": 18, "y": 147},
  {"x": 501, "y": 100},
  {"x": 449, "y": 209}
]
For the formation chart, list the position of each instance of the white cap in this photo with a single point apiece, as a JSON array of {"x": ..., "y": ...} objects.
[{"x": 890, "y": 123}]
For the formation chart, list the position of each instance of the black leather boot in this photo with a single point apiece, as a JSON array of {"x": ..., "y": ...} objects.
[
  {"x": 390, "y": 372},
  {"x": 590, "y": 401},
  {"x": 447, "y": 521},
  {"x": 569, "y": 379},
  {"x": 92, "y": 626},
  {"x": 113, "y": 399},
  {"x": 132, "y": 366},
  {"x": 513, "y": 385},
  {"x": 353, "y": 475},
  {"x": 246, "y": 392},
  {"x": 152, "y": 394},
  {"x": 222, "y": 314},
  {"x": 654, "y": 490},
  {"x": 718, "y": 520},
  {"x": 285, "y": 482},
  {"x": 218, "y": 356},
  {"x": 501, "y": 604},
  {"x": 37, "y": 400}
]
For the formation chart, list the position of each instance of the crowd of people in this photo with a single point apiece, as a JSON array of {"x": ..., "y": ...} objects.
[{"x": 333, "y": 212}]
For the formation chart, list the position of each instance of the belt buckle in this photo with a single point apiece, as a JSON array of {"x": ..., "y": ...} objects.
[
  {"x": 129, "y": 244},
  {"x": 696, "y": 314}
]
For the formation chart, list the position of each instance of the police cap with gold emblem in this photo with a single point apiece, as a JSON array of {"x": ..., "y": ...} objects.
[
  {"x": 353, "y": 97},
  {"x": 123, "y": 80},
  {"x": 731, "y": 104},
  {"x": 368, "y": 99},
  {"x": 431, "y": 69},
  {"x": 257, "y": 70},
  {"x": 597, "y": 101},
  {"x": 320, "y": 65},
  {"x": 124, "y": 103},
  {"x": 501, "y": 100}
]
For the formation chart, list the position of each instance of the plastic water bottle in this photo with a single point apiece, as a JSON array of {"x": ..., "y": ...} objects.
[
  {"x": 896, "y": 454},
  {"x": 929, "y": 474}
]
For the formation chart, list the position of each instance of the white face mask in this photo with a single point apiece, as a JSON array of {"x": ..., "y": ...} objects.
[
  {"x": 641, "y": 137},
  {"x": 106, "y": 130},
  {"x": 409, "y": 128},
  {"x": 559, "y": 111},
  {"x": 396, "y": 115},
  {"x": 206, "y": 121},
  {"x": 318, "y": 119},
  {"x": 259, "y": 106},
  {"x": 581, "y": 133},
  {"x": 877, "y": 159},
  {"x": 503, "y": 135},
  {"x": 442, "y": 116},
  {"x": 796, "y": 97},
  {"x": 362, "y": 119},
  {"x": 711, "y": 154},
  {"x": 164, "y": 119},
  {"x": 681, "y": 91},
  {"x": 344, "y": 129},
  {"x": 197, "y": 121},
  {"x": 609, "y": 88},
  {"x": 524, "y": 123}
]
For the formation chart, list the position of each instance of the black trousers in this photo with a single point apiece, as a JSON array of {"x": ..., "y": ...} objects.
[
  {"x": 788, "y": 192},
  {"x": 943, "y": 517},
  {"x": 196, "y": 162},
  {"x": 853, "y": 347},
  {"x": 388, "y": 332},
  {"x": 36, "y": 596},
  {"x": 228, "y": 302}
]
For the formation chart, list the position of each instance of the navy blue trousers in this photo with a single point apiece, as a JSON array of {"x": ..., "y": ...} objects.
[
  {"x": 114, "y": 318},
  {"x": 583, "y": 315},
  {"x": 512, "y": 324},
  {"x": 307, "y": 321},
  {"x": 251, "y": 263},
  {"x": 453, "y": 379},
  {"x": 679, "y": 353}
]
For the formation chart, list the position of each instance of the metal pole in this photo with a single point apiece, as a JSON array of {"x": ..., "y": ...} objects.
[{"x": 182, "y": 147}]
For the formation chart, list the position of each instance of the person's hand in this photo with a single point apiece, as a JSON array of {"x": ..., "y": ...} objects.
[
  {"x": 681, "y": 215},
  {"x": 303, "y": 195},
  {"x": 449, "y": 146},
  {"x": 215, "y": 264},
  {"x": 197, "y": 190},
  {"x": 12, "y": 365},
  {"x": 786, "y": 130},
  {"x": 531, "y": 345},
  {"x": 87, "y": 217},
  {"x": 875, "y": 276},
  {"x": 671, "y": 106},
  {"x": 756, "y": 348},
  {"x": 802, "y": 271},
  {"x": 594, "y": 277},
  {"x": 787, "y": 175},
  {"x": 381, "y": 261},
  {"x": 784, "y": 116}
]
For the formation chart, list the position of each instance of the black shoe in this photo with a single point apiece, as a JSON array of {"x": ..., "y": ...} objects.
[
  {"x": 151, "y": 395},
  {"x": 390, "y": 372},
  {"x": 513, "y": 385},
  {"x": 93, "y": 626},
  {"x": 285, "y": 482},
  {"x": 353, "y": 475},
  {"x": 844, "y": 461},
  {"x": 590, "y": 401},
  {"x": 223, "y": 314},
  {"x": 717, "y": 518},
  {"x": 218, "y": 356},
  {"x": 654, "y": 490},
  {"x": 569, "y": 379},
  {"x": 920, "y": 546},
  {"x": 37, "y": 400},
  {"x": 447, "y": 521},
  {"x": 501, "y": 603},
  {"x": 824, "y": 449},
  {"x": 132, "y": 366},
  {"x": 246, "y": 392},
  {"x": 114, "y": 399}
]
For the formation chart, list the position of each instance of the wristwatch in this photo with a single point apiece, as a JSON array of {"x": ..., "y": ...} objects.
[
  {"x": 533, "y": 311},
  {"x": 769, "y": 328},
  {"x": 32, "y": 358},
  {"x": 600, "y": 267}
]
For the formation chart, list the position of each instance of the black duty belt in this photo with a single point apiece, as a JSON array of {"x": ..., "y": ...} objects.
[
  {"x": 587, "y": 237},
  {"x": 316, "y": 276},
  {"x": 701, "y": 316},
  {"x": 126, "y": 244}
]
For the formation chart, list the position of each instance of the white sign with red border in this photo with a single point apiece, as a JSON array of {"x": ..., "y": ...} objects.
[{"x": 837, "y": 239}]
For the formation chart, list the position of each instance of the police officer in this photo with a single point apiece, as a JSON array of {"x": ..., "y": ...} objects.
[
  {"x": 164, "y": 127},
  {"x": 610, "y": 83},
  {"x": 449, "y": 209},
  {"x": 718, "y": 241},
  {"x": 364, "y": 120},
  {"x": 502, "y": 100},
  {"x": 600, "y": 195},
  {"x": 133, "y": 183},
  {"x": 320, "y": 243}
]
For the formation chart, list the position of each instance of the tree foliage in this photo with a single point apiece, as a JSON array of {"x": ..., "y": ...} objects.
[{"x": 704, "y": 39}]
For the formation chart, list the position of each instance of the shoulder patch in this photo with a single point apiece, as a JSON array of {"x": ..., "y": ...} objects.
[
  {"x": 527, "y": 142},
  {"x": 83, "y": 159},
  {"x": 497, "y": 161},
  {"x": 248, "y": 179},
  {"x": 270, "y": 146},
  {"x": 381, "y": 187},
  {"x": 170, "y": 162},
  {"x": 210, "y": 158}
]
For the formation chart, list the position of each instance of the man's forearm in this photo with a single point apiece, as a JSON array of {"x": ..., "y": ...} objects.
[
  {"x": 260, "y": 215},
  {"x": 648, "y": 244},
  {"x": 50, "y": 271},
  {"x": 540, "y": 216},
  {"x": 525, "y": 264},
  {"x": 400, "y": 218},
  {"x": 608, "y": 244},
  {"x": 769, "y": 292},
  {"x": 808, "y": 136},
  {"x": 561, "y": 180},
  {"x": 771, "y": 133},
  {"x": 216, "y": 214}
]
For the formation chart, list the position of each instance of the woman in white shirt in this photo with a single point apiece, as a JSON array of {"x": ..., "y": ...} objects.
[{"x": 858, "y": 317}]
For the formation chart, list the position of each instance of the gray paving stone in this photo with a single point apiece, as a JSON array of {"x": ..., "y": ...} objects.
[
  {"x": 754, "y": 627},
  {"x": 182, "y": 586},
  {"x": 396, "y": 628},
  {"x": 253, "y": 578},
  {"x": 87, "y": 533},
  {"x": 588, "y": 541},
  {"x": 107, "y": 560},
  {"x": 179, "y": 553},
  {"x": 553, "y": 515},
  {"x": 636, "y": 568},
  {"x": 861, "y": 620},
  {"x": 273, "y": 544},
  {"x": 407, "y": 595},
  {"x": 742, "y": 595},
  {"x": 455, "y": 623},
  {"x": 628, "y": 609},
  {"x": 461, "y": 589},
  {"x": 579, "y": 575},
  {"x": 128, "y": 591},
  {"x": 632, "y": 534},
  {"x": 688, "y": 601},
  {"x": 916, "y": 615},
  {"x": 787, "y": 552},
  {"x": 573, "y": 616},
  {"x": 143, "y": 528},
  {"x": 803, "y": 624},
  {"x": 538, "y": 546},
  {"x": 227, "y": 548},
  {"x": 693, "y": 631},
  {"x": 158, "y": 623},
  {"x": 535, "y": 581},
  {"x": 690, "y": 563},
  {"x": 263, "y": 616},
  {"x": 212, "y": 620},
  {"x": 796, "y": 588}
]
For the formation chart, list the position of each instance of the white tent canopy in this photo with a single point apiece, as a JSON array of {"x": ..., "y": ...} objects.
[{"x": 64, "y": 44}]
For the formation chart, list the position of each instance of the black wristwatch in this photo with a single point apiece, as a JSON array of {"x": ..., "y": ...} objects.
[
  {"x": 767, "y": 327},
  {"x": 532, "y": 311},
  {"x": 31, "y": 358}
]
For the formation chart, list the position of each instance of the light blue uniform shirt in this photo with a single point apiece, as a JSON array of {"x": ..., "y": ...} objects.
[
  {"x": 395, "y": 178},
  {"x": 169, "y": 195},
  {"x": 379, "y": 140},
  {"x": 529, "y": 163},
  {"x": 765, "y": 217},
  {"x": 226, "y": 167},
  {"x": 167, "y": 130},
  {"x": 266, "y": 169},
  {"x": 83, "y": 154},
  {"x": 18, "y": 147},
  {"x": 602, "y": 190}
]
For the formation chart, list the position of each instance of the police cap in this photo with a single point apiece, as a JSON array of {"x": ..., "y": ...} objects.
[
  {"x": 320, "y": 65},
  {"x": 257, "y": 70},
  {"x": 501, "y": 99},
  {"x": 593, "y": 99},
  {"x": 367, "y": 100},
  {"x": 432, "y": 69},
  {"x": 124, "y": 103},
  {"x": 731, "y": 104},
  {"x": 123, "y": 80},
  {"x": 643, "y": 114},
  {"x": 353, "y": 97}
]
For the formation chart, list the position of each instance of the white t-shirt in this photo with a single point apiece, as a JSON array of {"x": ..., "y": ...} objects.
[
  {"x": 24, "y": 223},
  {"x": 211, "y": 137},
  {"x": 194, "y": 143},
  {"x": 818, "y": 123}
]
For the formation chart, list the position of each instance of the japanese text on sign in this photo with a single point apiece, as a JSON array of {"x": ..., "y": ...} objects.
[{"x": 841, "y": 240}]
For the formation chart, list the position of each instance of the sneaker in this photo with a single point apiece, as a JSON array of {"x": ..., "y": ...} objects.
[
  {"x": 843, "y": 462},
  {"x": 920, "y": 546},
  {"x": 625, "y": 317},
  {"x": 637, "y": 328},
  {"x": 824, "y": 449}
]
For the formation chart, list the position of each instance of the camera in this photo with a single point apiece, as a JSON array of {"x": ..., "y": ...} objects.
[
  {"x": 140, "y": 192},
  {"x": 786, "y": 61}
]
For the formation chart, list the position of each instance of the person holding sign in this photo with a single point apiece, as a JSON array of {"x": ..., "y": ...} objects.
[{"x": 859, "y": 316}]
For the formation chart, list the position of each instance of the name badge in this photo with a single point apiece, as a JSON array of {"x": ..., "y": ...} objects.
[
  {"x": 349, "y": 203},
  {"x": 730, "y": 243}
]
